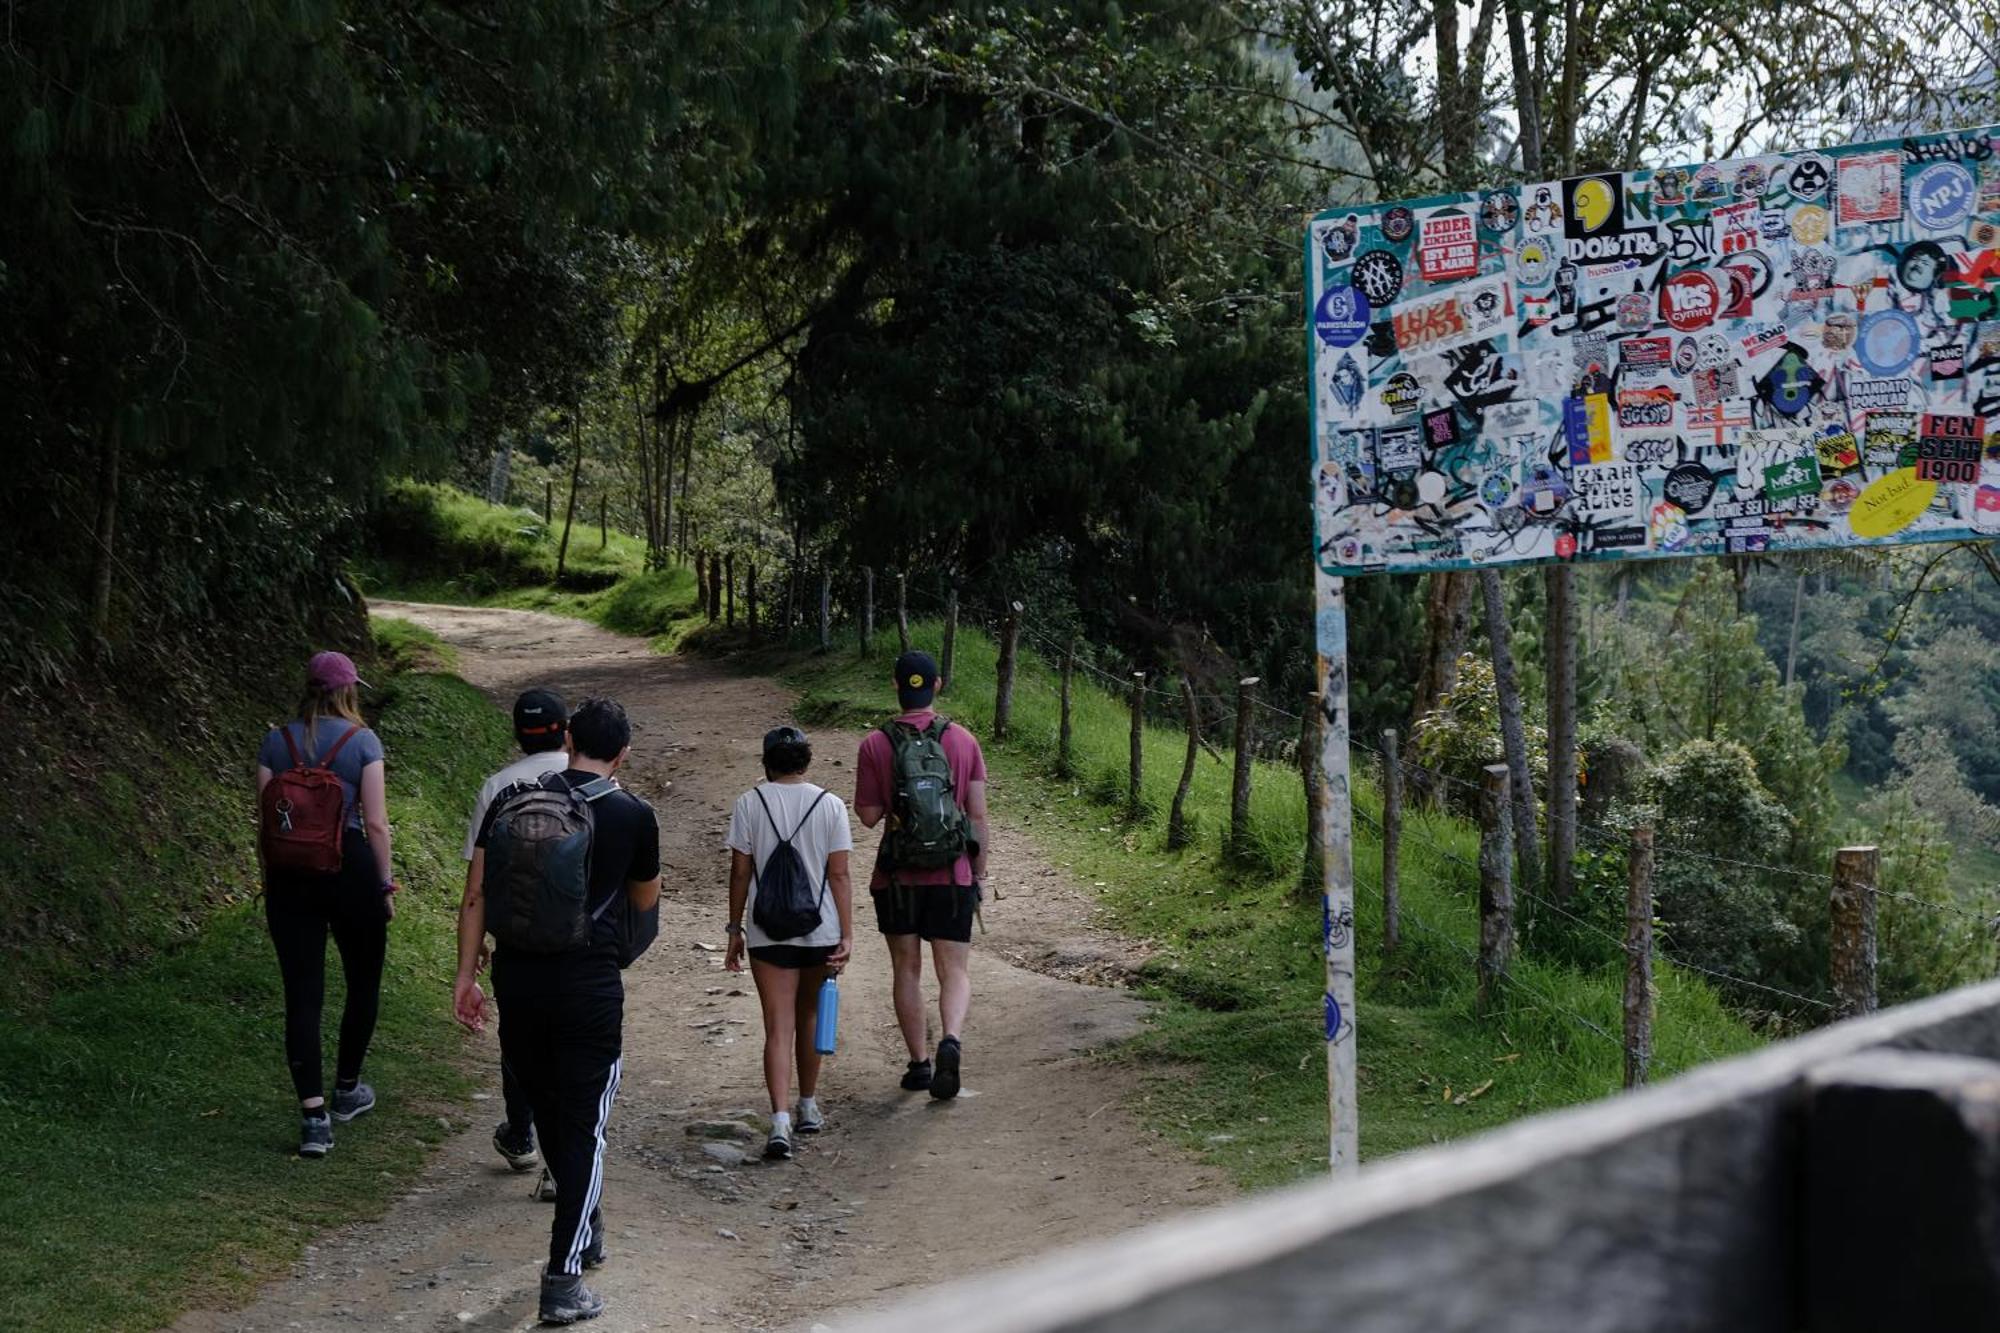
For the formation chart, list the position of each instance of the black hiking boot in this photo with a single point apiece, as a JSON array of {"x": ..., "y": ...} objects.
[
  {"x": 944, "y": 1086},
  {"x": 918, "y": 1076},
  {"x": 357, "y": 1100},
  {"x": 565, "y": 1300}
]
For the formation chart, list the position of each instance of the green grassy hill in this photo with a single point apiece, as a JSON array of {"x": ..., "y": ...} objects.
[{"x": 146, "y": 1118}]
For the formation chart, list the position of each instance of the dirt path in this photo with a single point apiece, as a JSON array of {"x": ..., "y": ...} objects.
[{"x": 901, "y": 1192}]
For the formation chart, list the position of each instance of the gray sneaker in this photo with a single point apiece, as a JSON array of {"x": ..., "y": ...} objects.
[
  {"x": 347, "y": 1105},
  {"x": 565, "y": 1300},
  {"x": 315, "y": 1136}
]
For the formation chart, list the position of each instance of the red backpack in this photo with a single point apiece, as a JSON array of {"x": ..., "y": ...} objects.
[{"x": 304, "y": 810}]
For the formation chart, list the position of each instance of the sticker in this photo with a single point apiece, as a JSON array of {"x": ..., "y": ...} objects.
[
  {"x": 1670, "y": 185},
  {"x": 1890, "y": 504},
  {"x": 1587, "y": 422},
  {"x": 1921, "y": 265},
  {"x": 1348, "y": 383},
  {"x": 1448, "y": 246},
  {"x": 1889, "y": 342},
  {"x": 1378, "y": 275},
  {"x": 1809, "y": 176},
  {"x": 1947, "y": 357},
  {"x": 1635, "y": 311},
  {"x": 1873, "y": 394},
  {"x": 1341, "y": 319},
  {"x": 1837, "y": 334},
  {"x": 1544, "y": 213},
  {"x": 1650, "y": 450},
  {"x": 1871, "y": 188},
  {"x": 1533, "y": 264},
  {"x": 1839, "y": 495},
  {"x": 1440, "y": 428},
  {"x": 1399, "y": 449},
  {"x": 1684, "y": 356},
  {"x": 1736, "y": 227},
  {"x": 1401, "y": 394},
  {"x": 1950, "y": 447},
  {"x": 1690, "y": 487},
  {"x": 1607, "y": 490},
  {"x": 1791, "y": 385},
  {"x": 1647, "y": 408},
  {"x": 1499, "y": 211},
  {"x": 1689, "y": 301},
  {"x": 1792, "y": 477},
  {"x": 1941, "y": 196},
  {"x": 1338, "y": 239},
  {"x": 1397, "y": 223},
  {"x": 1667, "y": 526},
  {"x": 1464, "y": 314},
  {"x": 1595, "y": 227},
  {"x": 1811, "y": 224},
  {"x": 1646, "y": 355},
  {"x": 1334, "y": 1025},
  {"x": 1838, "y": 449}
]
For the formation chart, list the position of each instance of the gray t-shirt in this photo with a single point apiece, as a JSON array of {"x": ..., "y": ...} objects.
[{"x": 357, "y": 754}]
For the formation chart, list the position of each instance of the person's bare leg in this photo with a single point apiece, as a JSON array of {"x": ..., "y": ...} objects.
[
  {"x": 906, "y": 958},
  {"x": 805, "y": 1024},
  {"x": 777, "y": 994},
  {"x": 954, "y": 970}
]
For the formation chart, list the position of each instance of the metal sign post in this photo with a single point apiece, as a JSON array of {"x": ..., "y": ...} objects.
[{"x": 1337, "y": 882}]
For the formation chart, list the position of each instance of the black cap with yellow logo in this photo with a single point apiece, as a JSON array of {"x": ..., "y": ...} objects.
[{"x": 916, "y": 679}]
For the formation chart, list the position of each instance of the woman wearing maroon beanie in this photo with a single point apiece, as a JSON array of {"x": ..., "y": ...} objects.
[{"x": 324, "y": 849}]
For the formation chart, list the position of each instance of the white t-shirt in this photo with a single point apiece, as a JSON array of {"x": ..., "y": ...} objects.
[
  {"x": 528, "y": 768},
  {"x": 825, "y": 833}
]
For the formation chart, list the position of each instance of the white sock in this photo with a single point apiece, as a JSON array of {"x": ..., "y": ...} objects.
[
  {"x": 781, "y": 1122},
  {"x": 807, "y": 1106}
]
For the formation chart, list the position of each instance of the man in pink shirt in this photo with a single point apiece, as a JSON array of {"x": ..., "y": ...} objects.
[{"x": 931, "y": 862}]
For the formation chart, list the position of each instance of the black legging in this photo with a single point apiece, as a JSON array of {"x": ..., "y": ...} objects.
[{"x": 300, "y": 909}]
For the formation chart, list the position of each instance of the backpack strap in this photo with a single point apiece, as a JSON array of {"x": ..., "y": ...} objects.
[
  {"x": 327, "y": 759},
  {"x": 291, "y": 745},
  {"x": 597, "y": 789}
]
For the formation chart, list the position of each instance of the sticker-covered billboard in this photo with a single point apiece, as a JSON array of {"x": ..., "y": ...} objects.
[{"x": 1777, "y": 352}]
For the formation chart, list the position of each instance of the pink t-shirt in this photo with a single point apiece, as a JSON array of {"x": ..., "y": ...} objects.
[{"x": 875, "y": 785}]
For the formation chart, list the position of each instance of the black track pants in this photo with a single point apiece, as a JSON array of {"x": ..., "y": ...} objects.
[
  {"x": 563, "y": 1052},
  {"x": 520, "y": 1111},
  {"x": 301, "y": 910}
]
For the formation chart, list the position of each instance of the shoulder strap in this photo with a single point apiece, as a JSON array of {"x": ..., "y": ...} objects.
[
  {"x": 597, "y": 788},
  {"x": 939, "y": 725},
  {"x": 328, "y": 759},
  {"x": 293, "y": 746}
]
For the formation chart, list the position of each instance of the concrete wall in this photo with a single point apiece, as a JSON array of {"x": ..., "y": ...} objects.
[{"x": 1680, "y": 1207}]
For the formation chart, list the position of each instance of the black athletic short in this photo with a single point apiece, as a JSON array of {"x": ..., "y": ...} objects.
[
  {"x": 932, "y": 911},
  {"x": 798, "y": 956}
]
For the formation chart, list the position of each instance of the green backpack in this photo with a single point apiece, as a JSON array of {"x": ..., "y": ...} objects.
[{"x": 928, "y": 830}]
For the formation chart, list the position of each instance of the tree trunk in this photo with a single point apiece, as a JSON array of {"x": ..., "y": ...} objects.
[
  {"x": 714, "y": 586},
  {"x": 729, "y": 589},
  {"x": 1063, "y": 731},
  {"x": 1447, "y": 627},
  {"x": 945, "y": 664},
  {"x": 1496, "y": 892},
  {"x": 1851, "y": 938},
  {"x": 867, "y": 609},
  {"x": 1559, "y": 654},
  {"x": 825, "y": 610},
  {"x": 1003, "y": 675},
  {"x": 603, "y": 522},
  {"x": 1527, "y": 109},
  {"x": 498, "y": 474},
  {"x": 1177, "y": 835},
  {"x": 1639, "y": 957},
  {"x": 569, "y": 510},
  {"x": 1792, "y": 643},
  {"x": 1513, "y": 731},
  {"x": 103, "y": 552},
  {"x": 1392, "y": 842},
  {"x": 750, "y": 597},
  {"x": 1239, "y": 785},
  {"x": 1132, "y": 801},
  {"x": 902, "y": 611}
]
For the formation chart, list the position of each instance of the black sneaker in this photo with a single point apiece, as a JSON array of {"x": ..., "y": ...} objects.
[
  {"x": 315, "y": 1136},
  {"x": 918, "y": 1076},
  {"x": 519, "y": 1150},
  {"x": 944, "y": 1087},
  {"x": 565, "y": 1300},
  {"x": 358, "y": 1100}
]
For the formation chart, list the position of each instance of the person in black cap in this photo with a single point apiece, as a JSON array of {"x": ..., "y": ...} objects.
[
  {"x": 926, "y": 775},
  {"x": 541, "y": 720},
  {"x": 786, "y": 811}
]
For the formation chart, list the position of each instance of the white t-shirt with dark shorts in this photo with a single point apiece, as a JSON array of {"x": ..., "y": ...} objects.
[{"x": 822, "y": 833}]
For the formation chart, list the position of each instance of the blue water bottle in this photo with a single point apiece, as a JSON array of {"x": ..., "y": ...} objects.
[{"x": 827, "y": 1029}]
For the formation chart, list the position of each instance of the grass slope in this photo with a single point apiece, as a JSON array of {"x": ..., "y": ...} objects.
[
  {"x": 1237, "y": 1046},
  {"x": 146, "y": 1120},
  {"x": 433, "y": 543}
]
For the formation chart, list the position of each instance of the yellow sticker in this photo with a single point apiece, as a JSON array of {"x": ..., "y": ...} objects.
[
  {"x": 1890, "y": 504},
  {"x": 916, "y": 682},
  {"x": 1810, "y": 224},
  {"x": 1597, "y": 426}
]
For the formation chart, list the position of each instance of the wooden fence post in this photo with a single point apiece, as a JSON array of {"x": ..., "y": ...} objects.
[
  {"x": 714, "y": 586},
  {"x": 1392, "y": 842},
  {"x": 1239, "y": 786},
  {"x": 902, "y": 612},
  {"x": 1003, "y": 686},
  {"x": 700, "y": 581},
  {"x": 729, "y": 587},
  {"x": 825, "y": 610},
  {"x": 1312, "y": 873},
  {"x": 1496, "y": 885},
  {"x": 548, "y": 501},
  {"x": 1177, "y": 835},
  {"x": 867, "y": 608},
  {"x": 1063, "y": 727},
  {"x": 950, "y": 635},
  {"x": 1639, "y": 956},
  {"x": 603, "y": 524},
  {"x": 1138, "y": 741},
  {"x": 750, "y": 595},
  {"x": 1851, "y": 948}
]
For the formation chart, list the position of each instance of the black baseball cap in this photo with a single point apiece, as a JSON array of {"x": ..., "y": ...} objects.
[
  {"x": 916, "y": 679},
  {"x": 785, "y": 735},
  {"x": 540, "y": 712}
]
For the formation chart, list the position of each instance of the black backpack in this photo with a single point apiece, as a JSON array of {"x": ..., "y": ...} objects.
[
  {"x": 787, "y": 907},
  {"x": 537, "y": 879}
]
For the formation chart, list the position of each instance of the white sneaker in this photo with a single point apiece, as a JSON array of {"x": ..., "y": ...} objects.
[
  {"x": 809, "y": 1118},
  {"x": 779, "y": 1147}
]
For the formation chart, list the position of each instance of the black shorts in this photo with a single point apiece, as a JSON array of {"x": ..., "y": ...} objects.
[
  {"x": 798, "y": 956},
  {"x": 932, "y": 911}
]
